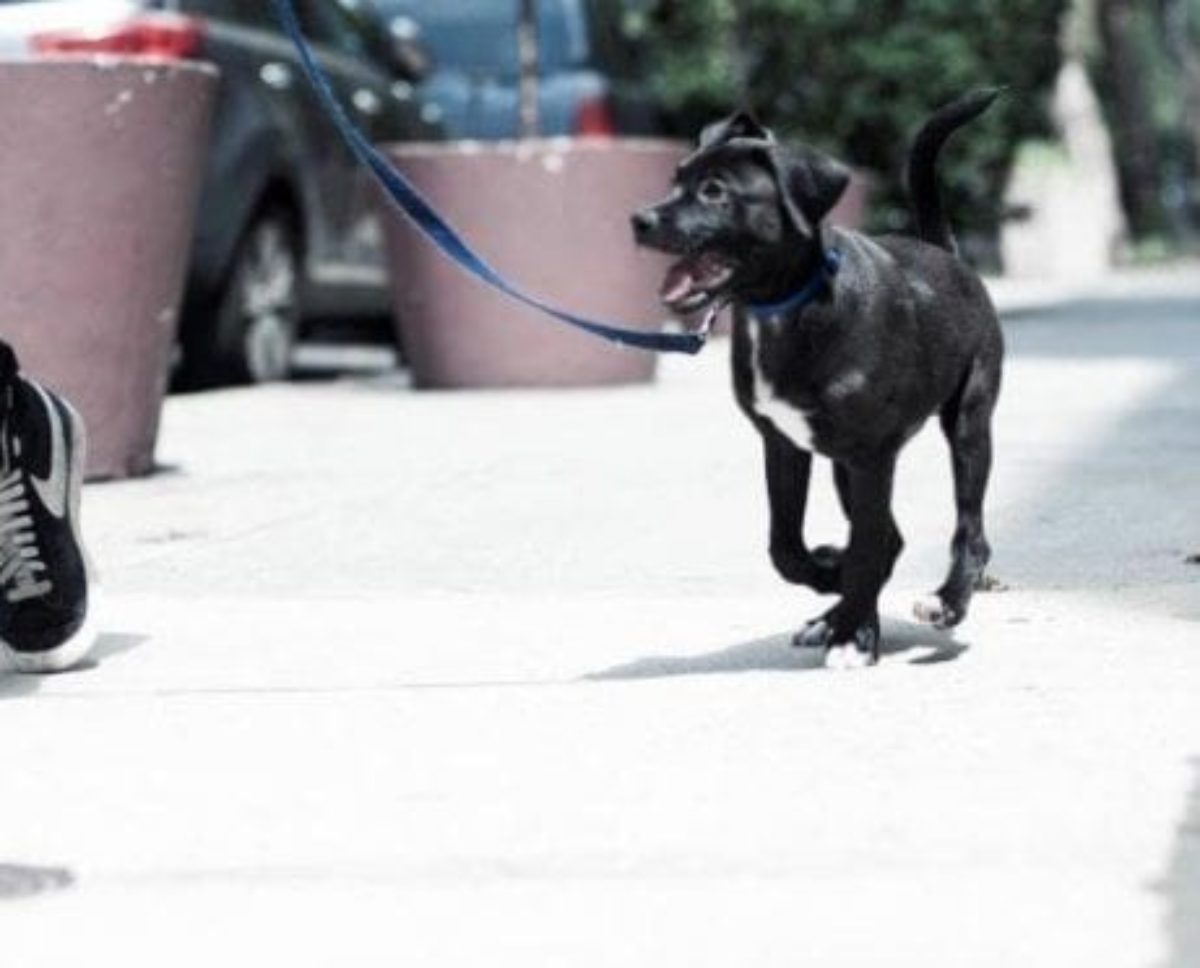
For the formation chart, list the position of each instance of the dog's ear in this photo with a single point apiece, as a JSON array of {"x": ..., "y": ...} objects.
[
  {"x": 740, "y": 125},
  {"x": 810, "y": 184}
]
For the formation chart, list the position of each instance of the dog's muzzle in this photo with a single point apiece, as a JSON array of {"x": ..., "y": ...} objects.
[
  {"x": 646, "y": 223},
  {"x": 696, "y": 279}
]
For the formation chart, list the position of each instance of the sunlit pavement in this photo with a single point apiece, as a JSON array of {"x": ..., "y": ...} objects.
[{"x": 503, "y": 678}]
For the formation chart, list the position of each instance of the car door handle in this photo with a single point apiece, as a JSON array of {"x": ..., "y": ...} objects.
[
  {"x": 276, "y": 75},
  {"x": 367, "y": 102}
]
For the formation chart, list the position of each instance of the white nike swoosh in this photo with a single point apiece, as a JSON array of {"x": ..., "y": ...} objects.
[{"x": 53, "y": 489}]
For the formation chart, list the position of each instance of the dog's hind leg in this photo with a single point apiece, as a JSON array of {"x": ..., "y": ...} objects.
[
  {"x": 966, "y": 421},
  {"x": 788, "y": 471}
]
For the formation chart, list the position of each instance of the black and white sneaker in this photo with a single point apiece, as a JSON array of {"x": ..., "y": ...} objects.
[{"x": 44, "y": 617}]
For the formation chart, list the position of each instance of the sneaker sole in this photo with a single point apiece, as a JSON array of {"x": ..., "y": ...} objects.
[{"x": 62, "y": 657}]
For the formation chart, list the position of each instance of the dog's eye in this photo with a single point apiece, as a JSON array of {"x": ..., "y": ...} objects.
[{"x": 711, "y": 190}]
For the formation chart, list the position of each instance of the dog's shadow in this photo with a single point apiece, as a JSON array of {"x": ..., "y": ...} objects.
[{"x": 775, "y": 653}]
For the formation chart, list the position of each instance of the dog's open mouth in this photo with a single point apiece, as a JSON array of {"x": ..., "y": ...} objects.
[{"x": 695, "y": 281}]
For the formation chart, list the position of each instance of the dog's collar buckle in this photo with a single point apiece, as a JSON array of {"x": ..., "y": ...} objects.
[{"x": 816, "y": 285}]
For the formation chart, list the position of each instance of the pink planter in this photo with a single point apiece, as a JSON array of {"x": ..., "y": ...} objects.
[
  {"x": 552, "y": 215},
  {"x": 851, "y": 210},
  {"x": 102, "y": 168}
]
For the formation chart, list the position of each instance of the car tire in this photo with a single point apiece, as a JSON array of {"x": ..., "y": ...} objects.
[{"x": 254, "y": 321}]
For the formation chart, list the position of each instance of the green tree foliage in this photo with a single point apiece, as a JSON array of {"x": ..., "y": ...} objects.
[
  {"x": 1146, "y": 66},
  {"x": 857, "y": 77}
]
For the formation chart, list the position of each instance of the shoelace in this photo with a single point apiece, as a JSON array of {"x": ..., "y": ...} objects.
[{"x": 20, "y": 560}]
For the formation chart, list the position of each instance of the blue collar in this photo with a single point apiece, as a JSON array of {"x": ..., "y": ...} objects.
[{"x": 817, "y": 284}]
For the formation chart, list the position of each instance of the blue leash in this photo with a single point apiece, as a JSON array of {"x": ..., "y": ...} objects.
[{"x": 422, "y": 214}]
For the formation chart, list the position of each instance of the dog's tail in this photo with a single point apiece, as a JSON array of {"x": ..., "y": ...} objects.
[{"x": 932, "y": 226}]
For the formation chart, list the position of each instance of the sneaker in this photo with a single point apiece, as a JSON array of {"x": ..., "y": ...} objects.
[{"x": 44, "y": 620}]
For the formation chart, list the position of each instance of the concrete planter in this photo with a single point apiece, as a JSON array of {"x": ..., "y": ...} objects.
[
  {"x": 102, "y": 168},
  {"x": 553, "y": 215},
  {"x": 851, "y": 210}
]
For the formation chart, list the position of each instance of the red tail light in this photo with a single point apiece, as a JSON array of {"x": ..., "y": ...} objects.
[
  {"x": 595, "y": 119},
  {"x": 165, "y": 36}
]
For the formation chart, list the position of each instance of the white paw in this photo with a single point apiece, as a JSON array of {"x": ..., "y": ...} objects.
[
  {"x": 847, "y": 657},
  {"x": 931, "y": 610}
]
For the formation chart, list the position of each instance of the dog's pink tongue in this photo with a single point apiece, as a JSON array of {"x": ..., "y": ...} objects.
[{"x": 677, "y": 283}]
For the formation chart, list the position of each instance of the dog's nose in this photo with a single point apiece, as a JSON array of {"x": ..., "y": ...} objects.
[{"x": 645, "y": 221}]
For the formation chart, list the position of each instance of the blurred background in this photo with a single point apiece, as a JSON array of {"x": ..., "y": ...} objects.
[
  {"x": 1090, "y": 162},
  {"x": 1102, "y": 92}
]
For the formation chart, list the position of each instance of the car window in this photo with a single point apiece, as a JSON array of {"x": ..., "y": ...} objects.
[{"x": 480, "y": 36}]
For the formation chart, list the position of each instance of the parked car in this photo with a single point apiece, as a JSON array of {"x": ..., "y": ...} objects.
[
  {"x": 287, "y": 232},
  {"x": 591, "y": 75}
]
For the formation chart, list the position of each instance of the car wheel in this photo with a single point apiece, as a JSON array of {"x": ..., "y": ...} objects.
[
  {"x": 253, "y": 321},
  {"x": 260, "y": 309}
]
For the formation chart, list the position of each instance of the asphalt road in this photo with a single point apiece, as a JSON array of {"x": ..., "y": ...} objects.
[{"x": 503, "y": 678}]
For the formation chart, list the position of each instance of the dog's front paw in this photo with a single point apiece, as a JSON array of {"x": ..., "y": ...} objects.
[
  {"x": 849, "y": 657},
  {"x": 856, "y": 650},
  {"x": 817, "y": 634}
]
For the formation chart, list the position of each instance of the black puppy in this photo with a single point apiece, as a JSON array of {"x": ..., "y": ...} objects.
[{"x": 843, "y": 344}]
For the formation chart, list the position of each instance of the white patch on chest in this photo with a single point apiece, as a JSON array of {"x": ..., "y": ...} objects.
[{"x": 788, "y": 419}]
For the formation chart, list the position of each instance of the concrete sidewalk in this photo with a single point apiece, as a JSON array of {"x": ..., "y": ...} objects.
[{"x": 503, "y": 678}]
